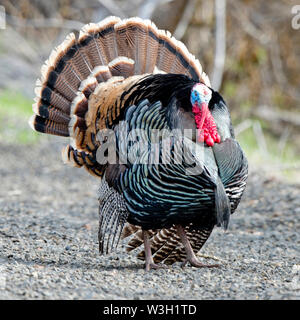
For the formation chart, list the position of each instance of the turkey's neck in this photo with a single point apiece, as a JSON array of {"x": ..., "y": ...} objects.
[{"x": 223, "y": 123}]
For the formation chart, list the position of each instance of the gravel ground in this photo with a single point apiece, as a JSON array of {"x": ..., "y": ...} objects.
[{"x": 49, "y": 249}]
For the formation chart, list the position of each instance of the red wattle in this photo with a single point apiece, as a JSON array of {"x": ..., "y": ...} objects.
[
  {"x": 206, "y": 124},
  {"x": 209, "y": 141},
  {"x": 201, "y": 137},
  {"x": 196, "y": 110}
]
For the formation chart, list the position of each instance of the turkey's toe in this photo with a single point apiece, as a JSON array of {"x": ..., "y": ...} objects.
[
  {"x": 196, "y": 263},
  {"x": 155, "y": 266}
]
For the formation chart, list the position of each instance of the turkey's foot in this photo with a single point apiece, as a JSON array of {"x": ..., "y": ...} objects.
[
  {"x": 148, "y": 254},
  {"x": 190, "y": 255},
  {"x": 196, "y": 263},
  {"x": 155, "y": 266}
]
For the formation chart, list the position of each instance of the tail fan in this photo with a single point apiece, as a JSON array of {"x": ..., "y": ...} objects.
[{"x": 112, "y": 47}]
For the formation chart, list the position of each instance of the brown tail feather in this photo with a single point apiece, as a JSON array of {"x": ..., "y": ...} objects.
[
  {"x": 121, "y": 66},
  {"x": 82, "y": 159},
  {"x": 43, "y": 125},
  {"x": 50, "y": 96},
  {"x": 51, "y": 113},
  {"x": 106, "y": 38},
  {"x": 102, "y": 73},
  {"x": 88, "y": 86},
  {"x": 60, "y": 83}
]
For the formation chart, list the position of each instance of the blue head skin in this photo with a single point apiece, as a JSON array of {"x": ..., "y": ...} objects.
[{"x": 200, "y": 94}]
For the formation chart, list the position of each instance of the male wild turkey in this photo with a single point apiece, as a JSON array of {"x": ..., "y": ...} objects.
[{"x": 128, "y": 70}]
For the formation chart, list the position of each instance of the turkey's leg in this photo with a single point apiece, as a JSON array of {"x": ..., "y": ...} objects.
[
  {"x": 190, "y": 255},
  {"x": 148, "y": 254}
]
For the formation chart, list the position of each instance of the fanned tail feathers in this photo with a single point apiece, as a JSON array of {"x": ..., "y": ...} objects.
[{"x": 113, "y": 47}]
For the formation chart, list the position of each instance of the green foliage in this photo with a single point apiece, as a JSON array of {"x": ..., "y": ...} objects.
[
  {"x": 261, "y": 55},
  {"x": 277, "y": 160},
  {"x": 230, "y": 89},
  {"x": 15, "y": 110}
]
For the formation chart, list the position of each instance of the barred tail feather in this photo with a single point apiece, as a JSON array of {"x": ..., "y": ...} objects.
[
  {"x": 82, "y": 159},
  {"x": 41, "y": 124}
]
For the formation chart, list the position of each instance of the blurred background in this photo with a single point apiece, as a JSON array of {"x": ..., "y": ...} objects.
[{"x": 249, "y": 48}]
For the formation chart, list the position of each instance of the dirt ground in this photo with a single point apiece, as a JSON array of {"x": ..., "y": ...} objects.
[{"x": 49, "y": 246}]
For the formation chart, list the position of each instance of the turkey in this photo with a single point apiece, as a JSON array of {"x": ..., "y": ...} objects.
[{"x": 143, "y": 119}]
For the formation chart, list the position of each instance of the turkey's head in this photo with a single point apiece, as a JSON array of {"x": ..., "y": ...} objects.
[{"x": 205, "y": 123}]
